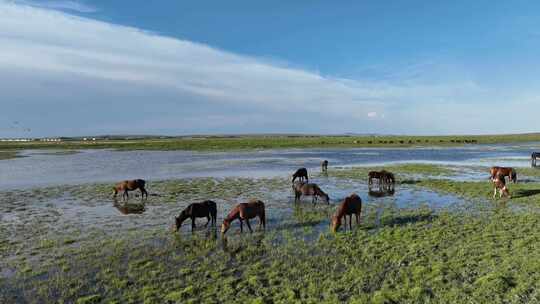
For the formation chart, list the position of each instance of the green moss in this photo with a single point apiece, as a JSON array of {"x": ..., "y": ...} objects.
[{"x": 89, "y": 299}]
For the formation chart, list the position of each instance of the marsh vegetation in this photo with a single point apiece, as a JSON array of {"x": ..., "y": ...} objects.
[{"x": 438, "y": 239}]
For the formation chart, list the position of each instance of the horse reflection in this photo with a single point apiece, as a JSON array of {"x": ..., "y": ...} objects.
[
  {"x": 382, "y": 191},
  {"x": 126, "y": 208}
]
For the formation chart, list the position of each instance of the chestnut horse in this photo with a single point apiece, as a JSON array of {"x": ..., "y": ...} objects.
[
  {"x": 324, "y": 166},
  {"x": 205, "y": 209},
  {"x": 500, "y": 184},
  {"x": 245, "y": 211},
  {"x": 504, "y": 171},
  {"x": 301, "y": 174},
  {"x": 305, "y": 189},
  {"x": 130, "y": 185},
  {"x": 350, "y": 205},
  {"x": 383, "y": 177}
]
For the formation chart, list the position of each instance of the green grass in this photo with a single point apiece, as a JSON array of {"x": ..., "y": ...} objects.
[
  {"x": 274, "y": 142},
  {"x": 413, "y": 257},
  {"x": 8, "y": 154}
]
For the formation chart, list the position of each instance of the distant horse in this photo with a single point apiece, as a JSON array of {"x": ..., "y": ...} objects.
[
  {"x": 301, "y": 174},
  {"x": 350, "y": 205},
  {"x": 324, "y": 166},
  {"x": 245, "y": 211},
  {"x": 383, "y": 176},
  {"x": 313, "y": 190},
  {"x": 534, "y": 156},
  {"x": 130, "y": 185},
  {"x": 205, "y": 209},
  {"x": 499, "y": 183},
  {"x": 504, "y": 171}
]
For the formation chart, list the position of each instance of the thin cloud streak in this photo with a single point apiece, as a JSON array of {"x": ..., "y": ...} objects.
[{"x": 67, "y": 5}]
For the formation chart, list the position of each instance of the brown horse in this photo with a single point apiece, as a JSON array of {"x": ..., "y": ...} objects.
[
  {"x": 383, "y": 176},
  {"x": 313, "y": 190},
  {"x": 350, "y": 205},
  {"x": 205, "y": 209},
  {"x": 130, "y": 185},
  {"x": 324, "y": 166},
  {"x": 301, "y": 174},
  {"x": 504, "y": 171},
  {"x": 245, "y": 211},
  {"x": 500, "y": 184}
]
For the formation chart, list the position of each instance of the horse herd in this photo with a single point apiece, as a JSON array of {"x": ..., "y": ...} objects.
[{"x": 351, "y": 205}]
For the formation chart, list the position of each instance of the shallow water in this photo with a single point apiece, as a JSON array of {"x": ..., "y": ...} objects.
[{"x": 43, "y": 168}]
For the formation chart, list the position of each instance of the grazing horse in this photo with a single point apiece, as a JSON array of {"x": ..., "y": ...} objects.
[
  {"x": 534, "y": 156},
  {"x": 205, "y": 209},
  {"x": 313, "y": 190},
  {"x": 499, "y": 183},
  {"x": 245, "y": 211},
  {"x": 504, "y": 171},
  {"x": 130, "y": 185},
  {"x": 350, "y": 205},
  {"x": 383, "y": 176},
  {"x": 324, "y": 166},
  {"x": 301, "y": 174}
]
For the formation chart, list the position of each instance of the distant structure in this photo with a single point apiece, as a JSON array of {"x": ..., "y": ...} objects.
[{"x": 16, "y": 139}]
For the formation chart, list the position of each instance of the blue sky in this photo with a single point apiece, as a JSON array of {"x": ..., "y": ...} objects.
[{"x": 178, "y": 67}]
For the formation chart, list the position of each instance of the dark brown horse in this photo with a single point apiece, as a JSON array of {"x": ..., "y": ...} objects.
[
  {"x": 499, "y": 183},
  {"x": 383, "y": 176},
  {"x": 313, "y": 190},
  {"x": 534, "y": 156},
  {"x": 205, "y": 209},
  {"x": 130, "y": 185},
  {"x": 301, "y": 174},
  {"x": 324, "y": 166},
  {"x": 350, "y": 205},
  {"x": 504, "y": 171},
  {"x": 245, "y": 211}
]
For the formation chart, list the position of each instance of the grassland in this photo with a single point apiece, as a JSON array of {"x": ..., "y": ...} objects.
[
  {"x": 396, "y": 255},
  {"x": 274, "y": 142},
  {"x": 8, "y": 154}
]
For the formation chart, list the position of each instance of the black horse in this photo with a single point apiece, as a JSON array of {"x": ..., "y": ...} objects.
[
  {"x": 534, "y": 156},
  {"x": 206, "y": 209},
  {"x": 301, "y": 174}
]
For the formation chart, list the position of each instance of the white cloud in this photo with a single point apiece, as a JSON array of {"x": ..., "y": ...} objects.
[
  {"x": 372, "y": 114},
  {"x": 133, "y": 81}
]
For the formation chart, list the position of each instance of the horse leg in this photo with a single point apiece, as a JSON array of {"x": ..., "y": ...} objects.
[
  {"x": 241, "y": 225},
  {"x": 350, "y": 222},
  {"x": 494, "y": 192},
  {"x": 125, "y": 195},
  {"x": 249, "y": 226},
  {"x": 208, "y": 218},
  {"x": 192, "y": 223}
]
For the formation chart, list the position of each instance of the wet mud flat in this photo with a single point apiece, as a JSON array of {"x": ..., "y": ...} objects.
[{"x": 422, "y": 243}]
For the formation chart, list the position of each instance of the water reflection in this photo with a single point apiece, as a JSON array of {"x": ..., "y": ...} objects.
[
  {"x": 129, "y": 208},
  {"x": 382, "y": 191}
]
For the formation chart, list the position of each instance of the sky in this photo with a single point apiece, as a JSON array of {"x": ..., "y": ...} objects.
[{"x": 77, "y": 68}]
